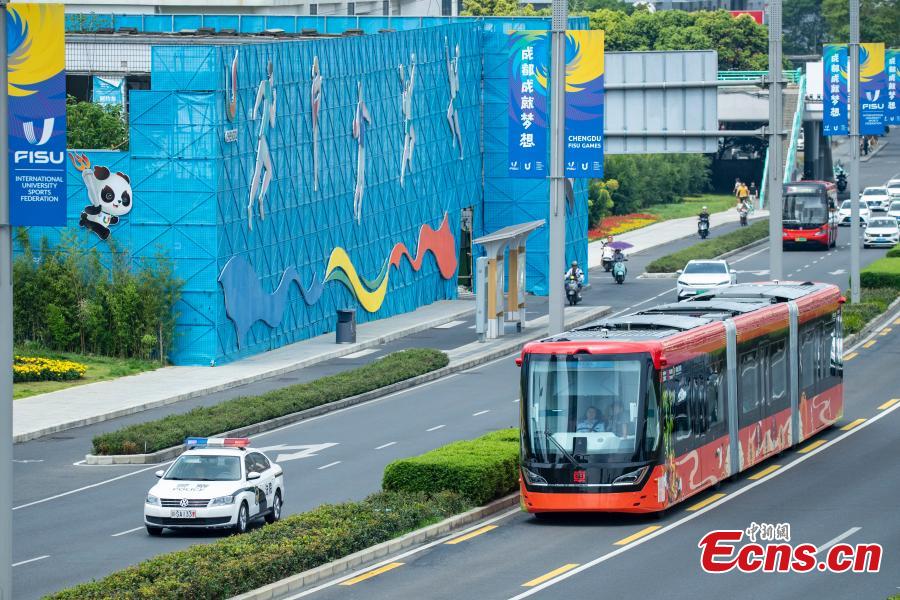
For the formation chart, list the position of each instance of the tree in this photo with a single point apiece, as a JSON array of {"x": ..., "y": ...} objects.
[
  {"x": 879, "y": 21},
  {"x": 804, "y": 27},
  {"x": 93, "y": 126}
]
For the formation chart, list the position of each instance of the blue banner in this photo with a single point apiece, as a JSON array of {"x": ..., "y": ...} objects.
[
  {"x": 584, "y": 104},
  {"x": 529, "y": 69},
  {"x": 872, "y": 89},
  {"x": 108, "y": 90},
  {"x": 37, "y": 114},
  {"x": 892, "y": 68},
  {"x": 834, "y": 79}
]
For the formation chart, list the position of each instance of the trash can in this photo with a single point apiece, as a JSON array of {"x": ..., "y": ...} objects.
[{"x": 346, "y": 327}]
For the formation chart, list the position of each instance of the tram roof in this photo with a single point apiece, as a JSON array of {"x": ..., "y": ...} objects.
[{"x": 665, "y": 320}]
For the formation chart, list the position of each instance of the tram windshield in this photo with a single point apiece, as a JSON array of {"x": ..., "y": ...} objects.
[{"x": 589, "y": 405}]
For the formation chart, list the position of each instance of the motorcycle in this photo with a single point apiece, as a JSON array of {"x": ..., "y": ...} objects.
[
  {"x": 703, "y": 227},
  {"x": 743, "y": 214},
  {"x": 573, "y": 291},
  {"x": 619, "y": 270},
  {"x": 606, "y": 259}
]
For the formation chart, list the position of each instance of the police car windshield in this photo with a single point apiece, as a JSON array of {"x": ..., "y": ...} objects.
[{"x": 204, "y": 467}]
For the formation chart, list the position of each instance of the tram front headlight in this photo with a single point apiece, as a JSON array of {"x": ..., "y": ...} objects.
[
  {"x": 631, "y": 477},
  {"x": 533, "y": 478}
]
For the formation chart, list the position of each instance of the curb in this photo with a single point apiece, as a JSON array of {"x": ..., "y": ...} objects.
[
  {"x": 455, "y": 366},
  {"x": 878, "y": 322},
  {"x": 751, "y": 245},
  {"x": 877, "y": 149},
  {"x": 297, "y": 582},
  {"x": 342, "y": 350}
]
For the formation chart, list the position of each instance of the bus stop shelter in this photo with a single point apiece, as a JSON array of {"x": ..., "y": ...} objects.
[{"x": 492, "y": 274}]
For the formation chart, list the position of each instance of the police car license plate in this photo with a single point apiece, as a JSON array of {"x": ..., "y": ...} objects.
[
  {"x": 800, "y": 239},
  {"x": 184, "y": 514}
]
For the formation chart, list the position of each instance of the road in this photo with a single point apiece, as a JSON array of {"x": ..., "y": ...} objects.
[{"x": 73, "y": 522}]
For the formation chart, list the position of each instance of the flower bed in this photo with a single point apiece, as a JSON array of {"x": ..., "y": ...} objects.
[
  {"x": 35, "y": 368},
  {"x": 617, "y": 224}
]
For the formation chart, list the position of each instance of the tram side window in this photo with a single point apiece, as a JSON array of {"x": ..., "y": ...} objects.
[
  {"x": 808, "y": 351},
  {"x": 837, "y": 347},
  {"x": 682, "y": 411},
  {"x": 827, "y": 343},
  {"x": 778, "y": 370},
  {"x": 715, "y": 397},
  {"x": 749, "y": 382},
  {"x": 699, "y": 409}
]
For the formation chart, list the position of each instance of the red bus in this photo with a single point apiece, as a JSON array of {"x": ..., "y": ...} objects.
[
  {"x": 639, "y": 412},
  {"x": 809, "y": 215}
]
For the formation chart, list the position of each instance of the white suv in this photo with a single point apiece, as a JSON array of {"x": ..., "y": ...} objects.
[
  {"x": 877, "y": 197},
  {"x": 700, "y": 276},
  {"x": 217, "y": 483},
  {"x": 844, "y": 213}
]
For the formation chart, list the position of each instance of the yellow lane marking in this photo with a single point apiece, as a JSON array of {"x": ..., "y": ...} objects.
[
  {"x": 850, "y": 356},
  {"x": 889, "y": 403},
  {"x": 550, "y": 575},
  {"x": 885, "y": 331},
  {"x": 812, "y": 446},
  {"x": 870, "y": 343},
  {"x": 706, "y": 502},
  {"x": 472, "y": 534},
  {"x": 852, "y": 424},
  {"x": 372, "y": 573},
  {"x": 764, "y": 472},
  {"x": 638, "y": 535},
  {"x": 896, "y": 321}
]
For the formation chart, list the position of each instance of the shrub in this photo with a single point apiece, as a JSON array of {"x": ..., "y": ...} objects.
[
  {"x": 32, "y": 368},
  {"x": 710, "y": 248},
  {"x": 894, "y": 252},
  {"x": 480, "y": 470},
  {"x": 241, "y": 412},
  {"x": 872, "y": 302},
  {"x": 883, "y": 273},
  {"x": 234, "y": 565}
]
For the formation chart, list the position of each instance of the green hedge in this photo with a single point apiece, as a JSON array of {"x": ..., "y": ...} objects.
[
  {"x": 480, "y": 470},
  {"x": 710, "y": 248},
  {"x": 238, "y": 564},
  {"x": 241, "y": 412},
  {"x": 894, "y": 252},
  {"x": 873, "y": 302},
  {"x": 883, "y": 273}
]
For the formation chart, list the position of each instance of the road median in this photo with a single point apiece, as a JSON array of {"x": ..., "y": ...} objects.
[{"x": 719, "y": 247}]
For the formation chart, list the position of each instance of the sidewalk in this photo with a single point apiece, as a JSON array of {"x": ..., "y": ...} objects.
[
  {"x": 840, "y": 150},
  {"x": 664, "y": 232},
  {"x": 77, "y": 406}
]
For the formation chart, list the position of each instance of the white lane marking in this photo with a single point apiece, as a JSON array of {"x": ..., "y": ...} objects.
[
  {"x": 127, "y": 532},
  {"x": 806, "y": 266},
  {"x": 435, "y": 428},
  {"x": 383, "y": 446},
  {"x": 824, "y": 547},
  {"x": 449, "y": 325},
  {"x": 472, "y": 326},
  {"x": 761, "y": 250},
  {"x": 337, "y": 462},
  {"x": 713, "y": 506},
  {"x": 516, "y": 400},
  {"x": 31, "y": 560},
  {"x": 480, "y": 412},
  {"x": 837, "y": 272},
  {"x": 361, "y": 353},
  {"x": 410, "y": 552},
  {"x": 26, "y": 461},
  {"x": 91, "y": 486}
]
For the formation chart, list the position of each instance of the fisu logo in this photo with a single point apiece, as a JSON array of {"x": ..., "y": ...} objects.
[
  {"x": 31, "y": 136},
  {"x": 873, "y": 97}
]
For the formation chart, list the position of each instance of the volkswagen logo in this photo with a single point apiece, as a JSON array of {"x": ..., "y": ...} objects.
[{"x": 184, "y": 502}]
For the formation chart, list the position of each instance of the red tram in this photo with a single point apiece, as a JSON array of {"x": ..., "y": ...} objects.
[{"x": 639, "y": 412}]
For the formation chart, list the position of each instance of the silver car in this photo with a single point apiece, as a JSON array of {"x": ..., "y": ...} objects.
[
  {"x": 700, "y": 276},
  {"x": 882, "y": 231}
]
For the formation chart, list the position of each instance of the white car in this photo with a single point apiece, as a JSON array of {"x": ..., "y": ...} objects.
[
  {"x": 217, "y": 483},
  {"x": 893, "y": 188},
  {"x": 894, "y": 210},
  {"x": 877, "y": 197},
  {"x": 700, "y": 276},
  {"x": 844, "y": 213},
  {"x": 882, "y": 231}
]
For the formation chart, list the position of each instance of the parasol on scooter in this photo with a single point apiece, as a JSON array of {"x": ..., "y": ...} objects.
[{"x": 619, "y": 245}]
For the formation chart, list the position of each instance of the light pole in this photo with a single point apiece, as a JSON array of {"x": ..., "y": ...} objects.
[
  {"x": 6, "y": 334},
  {"x": 776, "y": 158},
  {"x": 853, "y": 110},
  {"x": 557, "y": 180}
]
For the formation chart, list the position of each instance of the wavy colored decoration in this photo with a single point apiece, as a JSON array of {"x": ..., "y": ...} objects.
[{"x": 246, "y": 302}]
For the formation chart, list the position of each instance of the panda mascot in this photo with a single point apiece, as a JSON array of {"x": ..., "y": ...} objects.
[{"x": 110, "y": 196}]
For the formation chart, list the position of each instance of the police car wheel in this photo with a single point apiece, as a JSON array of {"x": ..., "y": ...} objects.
[
  {"x": 276, "y": 509},
  {"x": 243, "y": 519},
  {"x": 154, "y": 531}
]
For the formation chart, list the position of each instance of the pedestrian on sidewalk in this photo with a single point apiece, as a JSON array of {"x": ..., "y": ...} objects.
[
  {"x": 754, "y": 193},
  {"x": 864, "y": 146}
]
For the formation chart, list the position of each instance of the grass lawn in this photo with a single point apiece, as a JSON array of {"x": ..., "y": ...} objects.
[
  {"x": 691, "y": 206},
  {"x": 99, "y": 368}
]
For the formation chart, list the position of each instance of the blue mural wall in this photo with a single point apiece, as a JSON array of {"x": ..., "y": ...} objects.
[{"x": 317, "y": 243}]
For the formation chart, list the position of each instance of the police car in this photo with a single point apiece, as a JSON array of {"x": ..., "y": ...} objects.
[{"x": 217, "y": 483}]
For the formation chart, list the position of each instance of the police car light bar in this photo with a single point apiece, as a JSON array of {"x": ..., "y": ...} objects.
[{"x": 197, "y": 442}]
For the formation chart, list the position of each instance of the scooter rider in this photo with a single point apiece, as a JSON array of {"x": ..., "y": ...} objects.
[
  {"x": 606, "y": 256},
  {"x": 576, "y": 274}
]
